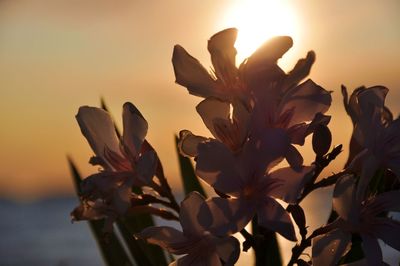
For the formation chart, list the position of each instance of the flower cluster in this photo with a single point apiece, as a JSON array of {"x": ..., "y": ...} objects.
[{"x": 257, "y": 115}]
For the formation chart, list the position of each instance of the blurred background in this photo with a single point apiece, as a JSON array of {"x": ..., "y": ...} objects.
[{"x": 56, "y": 55}]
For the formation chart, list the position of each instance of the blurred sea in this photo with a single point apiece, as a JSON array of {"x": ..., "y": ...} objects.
[{"x": 41, "y": 234}]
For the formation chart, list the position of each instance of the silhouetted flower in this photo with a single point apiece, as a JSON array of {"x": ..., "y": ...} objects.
[
  {"x": 242, "y": 177},
  {"x": 360, "y": 217},
  {"x": 376, "y": 136},
  {"x": 126, "y": 162},
  {"x": 201, "y": 247}
]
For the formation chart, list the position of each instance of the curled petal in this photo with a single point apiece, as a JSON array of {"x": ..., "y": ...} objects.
[
  {"x": 166, "y": 237},
  {"x": 188, "y": 142},
  {"x": 307, "y": 99},
  {"x": 329, "y": 248},
  {"x": 98, "y": 128},
  {"x": 225, "y": 216},
  {"x": 217, "y": 166},
  {"x": 344, "y": 198},
  {"x": 135, "y": 129},
  {"x": 189, "y": 213},
  {"x": 300, "y": 70},
  {"x": 372, "y": 250},
  {"x": 273, "y": 216},
  {"x": 223, "y": 53},
  {"x": 290, "y": 183},
  {"x": 192, "y": 75},
  {"x": 211, "y": 109}
]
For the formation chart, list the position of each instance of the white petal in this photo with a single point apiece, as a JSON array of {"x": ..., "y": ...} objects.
[
  {"x": 211, "y": 109},
  {"x": 166, "y": 237},
  {"x": 216, "y": 165},
  {"x": 98, "y": 128},
  {"x": 344, "y": 201},
  {"x": 191, "y": 74},
  {"x": 225, "y": 216},
  {"x": 187, "y": 143},
  {"x": 274, "y": 217},
  {"x": 223, "y": 53},
  {"x": 290, "y": 183},
  {"x": 189, "y": 213},
  {"x": 135, "y": 129},
  {"x": 329, "y": 248}
]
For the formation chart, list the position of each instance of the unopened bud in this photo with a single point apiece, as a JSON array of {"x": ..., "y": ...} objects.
[{"x": 321, "y": 141}]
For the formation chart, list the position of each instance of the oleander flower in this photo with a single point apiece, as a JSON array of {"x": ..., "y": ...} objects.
[
  {"x": 199, "y": 245},
  {"x": 242, "y": 178},
  {"x": 126, "y": 162},
  {"x": 358, "y": 217},
  {"x": 228, "y": 125},
  {"x": 375, "y": 141},
  {"x": 228, "y": 82}
]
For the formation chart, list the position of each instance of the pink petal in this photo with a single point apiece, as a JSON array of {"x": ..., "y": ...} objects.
[
  {"x": 290, "y": 183},
  {"x": 166, "y": 237},
  {"x": 372, "y": 250},
  {"x": 225, "y": 216},
  {"x": 135, "y": 129},
  {"x": 307, "y": 99},
  {"x": 98, "y": 128},
  {"x": 228, "y": 250},
  {"x": 388, "y": 230},
  {"x": 211, "y": 109},
  {"x": 274, "y": 217},
  {"x": 344, "y": 198},
  {"x": 192, "y": 75},
  {"x": 216, "y": 165},
  {"x": 188, "y": 215},
  {"x": 223, "y": 53},
  {"x": 369, "y": 166},
  {"x": 329, "y": 248},
  {"x": 297, "y": 133},
  {"x": 188, "y": 142}
]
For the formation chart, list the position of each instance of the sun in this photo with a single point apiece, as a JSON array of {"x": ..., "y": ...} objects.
[{"x": 258, "y": 21}]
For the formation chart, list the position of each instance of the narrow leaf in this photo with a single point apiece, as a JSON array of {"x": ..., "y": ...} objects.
[
  {"x": 189, "y": 178},
  {"x": 110, "y": 247}
]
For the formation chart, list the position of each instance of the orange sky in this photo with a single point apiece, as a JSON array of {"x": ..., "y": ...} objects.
[{"x": 56, "y": 55}]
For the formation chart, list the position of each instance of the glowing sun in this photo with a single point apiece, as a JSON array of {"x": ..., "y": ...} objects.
[{"x": 258, "y": 21}]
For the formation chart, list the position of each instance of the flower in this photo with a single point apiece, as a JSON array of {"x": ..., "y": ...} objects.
[
  {"x": 201, "y": 247},
  {"x": 249, "y": 190},
  {"x": 360, "y": 217},
  {"x": 126, "y": 162},
  {"x": 375, "y": 141}
]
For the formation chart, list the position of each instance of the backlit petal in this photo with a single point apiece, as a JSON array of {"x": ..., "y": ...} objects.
[
  {"x": 166, "y": 237},
  {"x": 274, "y": 217},
  {"x": 189, "y": 213},
  {"x": 344, "y": 197},
  {"x": 329, "y": 248},
  {"x": 187, "y": 143},
  {"x": 211, "y": 109},
  {"x": 135, "y": 129}
]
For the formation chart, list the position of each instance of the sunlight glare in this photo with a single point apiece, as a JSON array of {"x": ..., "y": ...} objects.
[{"x": 258, "y": 21}]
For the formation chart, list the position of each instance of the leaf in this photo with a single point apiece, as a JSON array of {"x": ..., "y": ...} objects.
[
  {"x": 189, "y": 179},
  {"x": 267, "y": 251},
  {"x": 110, "y": 247}
]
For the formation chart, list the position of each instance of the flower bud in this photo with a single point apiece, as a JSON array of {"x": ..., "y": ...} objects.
[{"x": 321, "y": 141}]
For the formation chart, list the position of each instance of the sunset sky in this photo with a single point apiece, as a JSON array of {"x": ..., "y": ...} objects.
[{"x": 56, "y": 55}]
